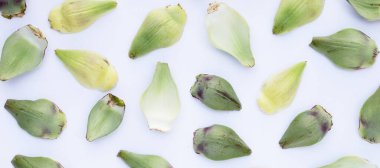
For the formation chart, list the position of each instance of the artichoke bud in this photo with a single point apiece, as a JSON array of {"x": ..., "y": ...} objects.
[
  {"x": 215, "y": 92},
  {"x": 308, "y": 128},
  {"x": 348, "y": 48},
  {"x": 369, "y": 127},
  {"x": 219, "y": 142},
  {"x": 12, "y": 8}
]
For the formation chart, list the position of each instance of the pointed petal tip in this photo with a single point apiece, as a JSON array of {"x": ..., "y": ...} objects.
[
  {"x": 249, "y": 64},
  {"x": 121, "y": 154},
  {"x": 59, "y": 53},
  {"x": 89, "y": 138},
  {"x": 276, "y": 31}
]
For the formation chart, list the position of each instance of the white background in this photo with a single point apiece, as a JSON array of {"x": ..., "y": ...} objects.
[{"x": 341, "y": 92}]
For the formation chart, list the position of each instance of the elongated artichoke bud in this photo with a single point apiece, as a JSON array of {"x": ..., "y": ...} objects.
[
  {"x": 89, "y": 68},
  {"x": 295, "y": 13},
  {"x": 105, "y": 117},
  {"x": 348, "y": 48},
  {"x": 12, "y": 8},
  {"x": 160, "y": 101},
  {"x": 308, "y": 128},
  {"x": 229, "y": 32},
  {"x": 369, "y": 128},
  {"x": 350, "y": 162},
  {"x": 215, "y": 92},
  {"x": 20, "y": 161},
  {"x": 279, "y": 91},
  {"x": 161, "y": 28},
  {"x": 219, "y": 142},
  {"x": 40, "y": 118},
  {"x": 368, "y": 9},
  {"x": 135, "y": 160},
  {"x": 23, "y": 51},
  {"x": 76, "y": 15}
]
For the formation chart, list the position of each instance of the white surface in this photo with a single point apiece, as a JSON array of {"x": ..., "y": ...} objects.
[{"x": 341, "y": 92}]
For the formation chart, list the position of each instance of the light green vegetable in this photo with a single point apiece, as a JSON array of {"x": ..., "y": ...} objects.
[
  {"x": 368, "y": 9},
  {"x": 89, "y": 68},
  {"x": 40, "y": 118},
  {"x": 135, "y": 160},
  {"x": 229, "y": 32},
  {"x": 76, "y": 15},
  {"x": 105, "y": 117},
  {"x": 215, "y": 92},
  {"x": 160, "y": 101},
  {"x": 279, "y": 91},
  {"x": 295, "y": 13},
  {"x": 162, "y": 28},
  {"x": 20, "y": 161},
  {"x": 12, "y": 8},
  {"x": 350, "y": 162},
  {"x": 308, "y": 128},
  {"x": 369, "y": 127},
  {"x": 23, "y": 51},
  {"x": 348, "y": 48},
  {"x": 219, "y": 142}
]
